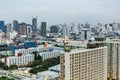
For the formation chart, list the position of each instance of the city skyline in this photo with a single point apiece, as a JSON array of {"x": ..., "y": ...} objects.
[{"x": 60, "y": 11}]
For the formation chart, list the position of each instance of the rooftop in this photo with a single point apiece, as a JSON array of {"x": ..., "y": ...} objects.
[{"x": 79, "y": 50}]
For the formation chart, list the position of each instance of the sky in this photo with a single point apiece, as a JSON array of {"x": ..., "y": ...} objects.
[{"x": 60, "y": 11}]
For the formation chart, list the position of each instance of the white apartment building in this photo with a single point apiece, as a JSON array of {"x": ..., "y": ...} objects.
[
  {"x": 18, "y": 60},
  {"x": 38, "y": 49},
  {"x": 84, "y": 64},
  {"x": 113, "y": 58},
  {"x": 47, "y": 55}
]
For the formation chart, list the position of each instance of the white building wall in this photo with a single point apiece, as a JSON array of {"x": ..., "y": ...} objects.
[
  {"x": 67, "y": 66},
  {"x": 47, "y": 55},
  {"x": 25, "y": 59}
]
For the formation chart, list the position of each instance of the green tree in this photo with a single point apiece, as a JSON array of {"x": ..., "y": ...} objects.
[
  {"x": 36, "y": 56},
  {"x": 5, "y": 67},
  {"x": 45, "y": 65},
  {"x": 5, "y": 78},
  {"x": 1, "y": 64},
  {"x": 13, "y": 67}
]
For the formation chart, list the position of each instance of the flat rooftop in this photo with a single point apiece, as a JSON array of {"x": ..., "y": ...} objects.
[{"x": 79, "y": 50}]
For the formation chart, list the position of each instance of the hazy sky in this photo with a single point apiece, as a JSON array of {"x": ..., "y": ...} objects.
[{"x": 60, "y": 11}]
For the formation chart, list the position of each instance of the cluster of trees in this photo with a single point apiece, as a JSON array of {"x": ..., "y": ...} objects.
[
  {"x": 5, "y": 78},
  {"x": 34, "y": 63},
  {"x": 45, "y": 65},
  {"x": 2, "y": 56},
  {"x": 5, "y": 67}
]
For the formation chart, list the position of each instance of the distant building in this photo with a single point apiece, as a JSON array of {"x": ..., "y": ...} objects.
[
  {"x": 2, "y": 26},
  {"x": 87, "y": 26},
  {"x": 85, "y": 34},
  {"x": 22, "y": 29},
  {"x": 84, "y": 64},
  {"x": 11, "y": 35},
  {"x": 34, "y": 24},
  {"x": 15, "y": 25},
  {"x": 43, "y": 29},
  {"x": 65, "y": 31},
  {"x": 54, "y": 29},
  {"x": 29, "y": 29},
  {"x": 8, "y": 28}
]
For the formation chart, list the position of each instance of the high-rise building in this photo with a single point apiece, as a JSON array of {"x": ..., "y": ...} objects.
[
  {"x": 22, "y": 29},
  {"x": 113, "y": 58},
  {"x": 2, "y": 26},
  {"x": 43, "y": 29},
  {"x": 84, "y": 64},
  {"x": 34, "y": 25},
  {"x": 65, "y": 31},
  {"x": 85, "y": 34},
  {"x": 8, "y": 28},
  {"x": 114, "y": 61},
  {"x": 54, "y": 29},
  {"x": 15, "y": 25}
]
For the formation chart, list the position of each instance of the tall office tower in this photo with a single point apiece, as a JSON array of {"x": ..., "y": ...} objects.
[
  {"x": 84, "y": 64},
  {"x": 85, "y": 34},
  {"x": 15, "y": 25},
  {"x": 22, "y": 29},
  {"x": 2, "y": 26},
  {"x": 79, "y": 27},
  {"x": 54, "y": 29},
  {"x": 8, "y": 28},
  {"x": 34, "y": 25},
  {"x": 43, "y": 29},
  {"x": 65, "y": 31},
  {"x": 72, "y": 28}
]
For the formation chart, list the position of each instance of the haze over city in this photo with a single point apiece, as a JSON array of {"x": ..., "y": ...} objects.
[{"x": 60, "y": 11}]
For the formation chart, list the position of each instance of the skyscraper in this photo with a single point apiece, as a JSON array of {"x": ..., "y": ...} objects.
[
  {"x": 84, "y": 64},
  {"x": 22, "y": 29},
  {"x": 54, "y": 29},
  {"x": 8, "y": 28},
  {"x": 85, "y": 34},
  {"x": 65, "y": 31},
  {"x": 15, "y": 25},
  {"x": 34, "y": 25},
  {"x": 43, "y": 29},
  {"x": 2, "y": 26}
]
